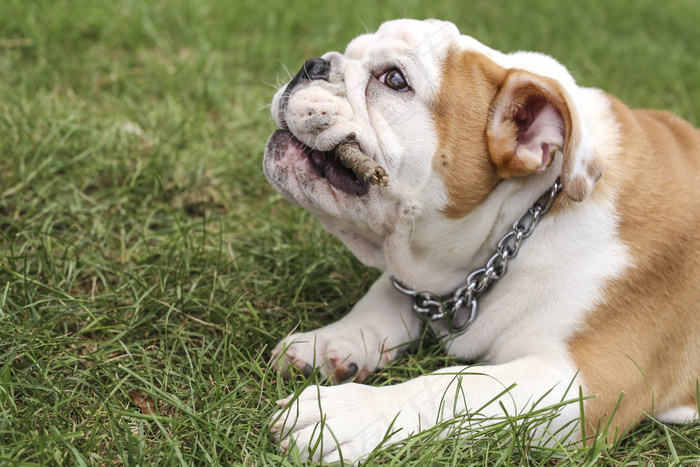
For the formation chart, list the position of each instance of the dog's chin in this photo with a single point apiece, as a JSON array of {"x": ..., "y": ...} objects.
[{"x": 296, "y": 169}]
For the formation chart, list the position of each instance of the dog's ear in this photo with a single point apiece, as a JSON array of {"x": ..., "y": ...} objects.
[{"x": 531, "y": 118}]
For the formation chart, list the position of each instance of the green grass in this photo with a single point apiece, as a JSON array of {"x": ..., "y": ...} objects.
[{"x": 141, "y": 248}]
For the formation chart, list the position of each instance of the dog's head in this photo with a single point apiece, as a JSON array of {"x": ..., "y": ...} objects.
[{"x": 448, "y": 118}]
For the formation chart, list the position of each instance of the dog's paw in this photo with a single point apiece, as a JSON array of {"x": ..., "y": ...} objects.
[
  {"x": 342, "y": 353},
  {"x": 346, "y": 422}
]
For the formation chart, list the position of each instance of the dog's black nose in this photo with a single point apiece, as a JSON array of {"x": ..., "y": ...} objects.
[{"x": 315, "y": 68}]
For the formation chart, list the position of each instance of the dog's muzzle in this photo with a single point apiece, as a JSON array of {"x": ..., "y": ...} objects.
[{"x": 312, "y": 69}]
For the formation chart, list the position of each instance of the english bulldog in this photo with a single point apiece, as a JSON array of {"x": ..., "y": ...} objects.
[{"x": 542, "y": 229}]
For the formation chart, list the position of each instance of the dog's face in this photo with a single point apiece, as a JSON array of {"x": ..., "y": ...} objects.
[
  {"x": 445, "y": 116},
  {"x": 382, "y": 89}
]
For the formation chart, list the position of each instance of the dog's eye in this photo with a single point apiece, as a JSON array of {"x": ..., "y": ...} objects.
[{"x": 394, "y": 79}]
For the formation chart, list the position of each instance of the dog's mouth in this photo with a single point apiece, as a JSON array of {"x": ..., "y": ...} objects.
[
  {"x": 324, "y": 164},
  {"x": 338, "y": 176}
]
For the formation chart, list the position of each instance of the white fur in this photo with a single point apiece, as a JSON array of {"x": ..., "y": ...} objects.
[
  {"x": 678, "y": 415},
  {"x": 524, "y": 322}
]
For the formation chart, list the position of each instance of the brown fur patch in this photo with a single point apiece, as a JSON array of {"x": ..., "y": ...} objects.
[
  {"x": 644, "y": 339},
  {"x": 469, "y": 83}
]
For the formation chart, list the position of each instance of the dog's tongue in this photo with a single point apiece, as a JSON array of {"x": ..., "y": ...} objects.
[{"x": 365, "y": 169}]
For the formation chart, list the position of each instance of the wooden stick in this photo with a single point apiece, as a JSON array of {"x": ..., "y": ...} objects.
[{"x": 364, "y": 168}]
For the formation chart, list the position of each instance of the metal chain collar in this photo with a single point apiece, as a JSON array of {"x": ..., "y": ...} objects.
[{"x": 435, "y": 307}]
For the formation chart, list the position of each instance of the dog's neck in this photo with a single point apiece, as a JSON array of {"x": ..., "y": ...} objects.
[
  {"x": 459, "y": 309},
  {"x": 414, "y": 254}
]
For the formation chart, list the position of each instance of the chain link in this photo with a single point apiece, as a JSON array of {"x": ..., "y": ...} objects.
[{"x": 447, "y": 308}]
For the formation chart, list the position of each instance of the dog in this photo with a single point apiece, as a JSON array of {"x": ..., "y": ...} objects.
[{"x": 542, "y": 229}]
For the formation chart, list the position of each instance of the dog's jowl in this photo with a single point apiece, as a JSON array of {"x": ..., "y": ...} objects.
[{"x": 544, "y": 230}]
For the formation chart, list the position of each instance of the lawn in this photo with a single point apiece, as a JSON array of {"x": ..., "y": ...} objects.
[{"x": 146, "y": 266}]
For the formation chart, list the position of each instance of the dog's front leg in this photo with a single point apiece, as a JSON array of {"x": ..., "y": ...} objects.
[
  {"x": 376, "y": 331},
  {"x": 351, "y": 420}
]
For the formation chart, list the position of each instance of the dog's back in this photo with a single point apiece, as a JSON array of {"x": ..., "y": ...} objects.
[{"x": 643, "y": 341}]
